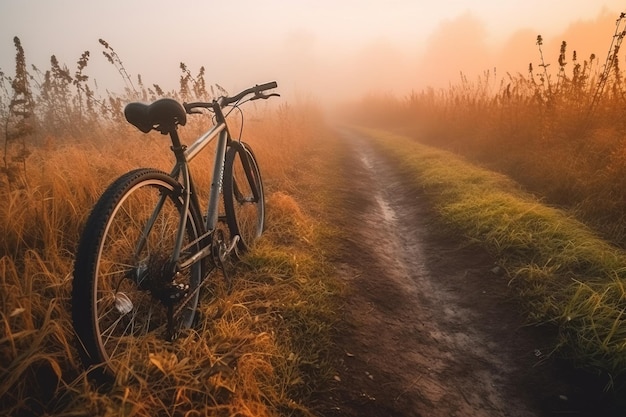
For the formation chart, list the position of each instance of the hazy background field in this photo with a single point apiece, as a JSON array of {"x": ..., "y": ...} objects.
[{"x": 324, "y": 48}]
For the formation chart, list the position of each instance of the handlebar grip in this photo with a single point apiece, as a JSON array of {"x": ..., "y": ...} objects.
[
  {"x": 267, "y": 86},
  {"x": 256, "y": 90}
]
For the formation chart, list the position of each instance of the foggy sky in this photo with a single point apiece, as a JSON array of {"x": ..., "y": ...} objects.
[{"x": 323, "y": 47}]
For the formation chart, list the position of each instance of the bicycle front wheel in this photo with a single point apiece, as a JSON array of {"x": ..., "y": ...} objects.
[
  {"x": 125, "y": 291},
  {"x": 244, "y": 201}
]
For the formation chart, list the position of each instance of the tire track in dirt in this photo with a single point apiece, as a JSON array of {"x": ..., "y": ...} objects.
[{"x": 428, "y": 328}]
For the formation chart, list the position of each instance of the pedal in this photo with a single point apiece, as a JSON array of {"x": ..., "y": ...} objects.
[{"x": 227, "y": 250}]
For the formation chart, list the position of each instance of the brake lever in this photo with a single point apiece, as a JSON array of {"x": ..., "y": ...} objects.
[{"x": 264, "y": 96}]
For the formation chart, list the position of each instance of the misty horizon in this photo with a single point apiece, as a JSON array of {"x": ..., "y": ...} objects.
[{"x": 307, "y": 62}]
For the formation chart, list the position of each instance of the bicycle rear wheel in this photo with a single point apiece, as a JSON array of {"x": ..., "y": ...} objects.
[
  {"x": 244, "y": 200},
  {"x": 124, "y": 288}
]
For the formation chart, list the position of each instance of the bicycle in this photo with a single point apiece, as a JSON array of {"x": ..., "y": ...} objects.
[{"x": 147, "y": 250}]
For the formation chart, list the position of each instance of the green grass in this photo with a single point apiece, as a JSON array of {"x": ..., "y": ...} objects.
[{"x": 564, "y": 273}]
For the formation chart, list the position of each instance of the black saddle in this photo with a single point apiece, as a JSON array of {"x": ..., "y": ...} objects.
[{"x": 162, "y": 115}]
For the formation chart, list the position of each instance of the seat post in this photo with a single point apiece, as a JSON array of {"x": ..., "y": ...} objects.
[{"x": 177, "y": 147}]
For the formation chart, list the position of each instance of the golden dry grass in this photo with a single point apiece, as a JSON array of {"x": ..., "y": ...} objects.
[{"x": 260, "y": 350}]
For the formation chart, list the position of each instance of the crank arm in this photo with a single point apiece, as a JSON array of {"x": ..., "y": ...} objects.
[{"x": 206, "y": 251}]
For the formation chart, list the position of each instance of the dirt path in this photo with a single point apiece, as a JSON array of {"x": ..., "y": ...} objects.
[{"x": 428, "y": 328}]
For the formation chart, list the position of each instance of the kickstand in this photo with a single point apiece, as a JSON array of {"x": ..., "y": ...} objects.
[{"x": 227, "y": 275}]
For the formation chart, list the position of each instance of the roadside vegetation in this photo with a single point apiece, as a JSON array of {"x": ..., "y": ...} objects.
[
  {"x": 261, "y": 350},
  {"x": 532, "y": 167},
  {"x": 556, "y": 127},
  {"x": 565, "y": 274}
]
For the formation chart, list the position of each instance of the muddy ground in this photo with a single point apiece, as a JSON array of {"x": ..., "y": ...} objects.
[{"x": 429, "y": 327}]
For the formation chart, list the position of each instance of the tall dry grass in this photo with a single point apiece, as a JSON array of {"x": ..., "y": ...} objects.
[
  {"x": 557, "y": 127},
  {"x": 259, "y": 350}
]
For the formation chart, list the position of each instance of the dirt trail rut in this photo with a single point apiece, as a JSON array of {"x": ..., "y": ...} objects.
[{"x": 428, "y": 328}]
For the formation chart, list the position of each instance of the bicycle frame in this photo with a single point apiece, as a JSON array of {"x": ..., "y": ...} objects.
[{"x": 184, "y": 155}]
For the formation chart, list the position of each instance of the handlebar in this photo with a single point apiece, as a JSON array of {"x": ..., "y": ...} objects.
[{"x": 257, "y": 90}]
